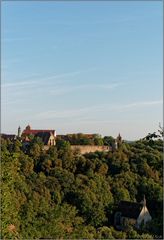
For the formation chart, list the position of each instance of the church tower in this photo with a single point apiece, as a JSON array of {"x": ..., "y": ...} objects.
[
  {"x": 114, "y": 145},
  {"x": 19, "y": 132},
  {"x": 119, "y": 140}
]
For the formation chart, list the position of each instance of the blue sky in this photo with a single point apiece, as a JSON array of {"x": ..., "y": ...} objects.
[{"x": 92, "y": 67}]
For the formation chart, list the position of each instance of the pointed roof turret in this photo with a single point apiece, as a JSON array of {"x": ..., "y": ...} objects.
[
  {"x": 28, "y": 127},
  {"x": 144, "y": 201},
  {"x": 119, "y": 137}
]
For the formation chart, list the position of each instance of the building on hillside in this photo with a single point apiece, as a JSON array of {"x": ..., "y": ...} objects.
[
  {"x": 10, "y": 137},
  {"x": 117, "y": 143},
  {"x": 114, "y": 145},
  {"x": 132, "y": 213},
  {"x": 47, "y": 136}
]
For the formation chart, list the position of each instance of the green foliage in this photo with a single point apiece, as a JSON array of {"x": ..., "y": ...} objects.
[
  {"x": 82, "y": 139},
  {"x": 58, "y": 194},
  {"x": 110, "y": 233},
  {"x": 10, "y": 200},
  {"x": 108, "y": 140}
]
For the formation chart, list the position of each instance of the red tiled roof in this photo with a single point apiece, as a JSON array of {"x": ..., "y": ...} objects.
[
  {"x": 32, "y": 131},
  {"x": 89, "y": 135}
]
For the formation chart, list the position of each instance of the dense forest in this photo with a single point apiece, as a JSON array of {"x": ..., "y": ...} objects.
[{"x": 60, "y": 194}]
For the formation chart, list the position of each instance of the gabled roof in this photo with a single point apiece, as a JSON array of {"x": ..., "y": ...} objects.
[
  {"x": 44, "y": 136},
  {"x": 35, "y": 131},
  {"x": 130, "y": 209}
]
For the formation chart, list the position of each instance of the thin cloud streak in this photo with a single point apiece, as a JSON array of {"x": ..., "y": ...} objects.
[
  {"x": 44, "y": 80},
  {"x": 67, "y": 74},
  {"x": 91, "y": 21},
  {"x": 18, "y": 84},
  {"x": 92, "y": 109},
  {"x": 142, "y": 104},
  {"x": 53, "y": 88},
  {"x": 63, "y": 90}
]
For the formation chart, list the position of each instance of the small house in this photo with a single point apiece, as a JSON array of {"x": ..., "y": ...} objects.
[{"x": 132, "y": 213}]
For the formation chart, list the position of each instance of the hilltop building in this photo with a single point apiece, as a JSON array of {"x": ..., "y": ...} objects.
[
  {"x": 82, "y": 143},
  {"x": 47, "y": 136}
]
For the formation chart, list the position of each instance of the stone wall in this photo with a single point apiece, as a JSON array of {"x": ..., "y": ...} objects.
[{"x": 88, "y": 148}]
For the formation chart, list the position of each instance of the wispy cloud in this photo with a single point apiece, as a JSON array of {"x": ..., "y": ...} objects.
[
  {"x": 63, "y": 75},
  {"x": 91, "y": 21},
  {"x": 79, "y": 112},
  {"x": 36, "y": 84},
  {"x": 109, "y": 86},
  {"x": 67, "y": 74},
  {"x": 65, "y": 113},
  {"x": 60, "y": 90},
  {"x": 142, "y": 104},
  {"x": 18, "y": 84},
  {"x": 16, "y": 92},
  {"x": 46, "y": 80}
]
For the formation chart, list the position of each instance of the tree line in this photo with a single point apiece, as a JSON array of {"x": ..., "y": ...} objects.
[
  {"x": 87, "y": 139},
  {"x": 59, "y": 194}
]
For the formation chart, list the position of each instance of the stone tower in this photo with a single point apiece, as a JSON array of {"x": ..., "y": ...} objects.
[
  {"x": 114, "y": 145},
  {"x": 19, "y": 132},
  {"x": 119, "y": 140}
]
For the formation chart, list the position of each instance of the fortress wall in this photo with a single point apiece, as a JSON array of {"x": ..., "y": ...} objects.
[{"x": 88, "y": 148}]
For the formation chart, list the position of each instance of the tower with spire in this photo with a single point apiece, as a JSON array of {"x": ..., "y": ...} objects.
[
  {"x": 119, "y": 140},
  {"x": 144, "y": 201},
  {"x": 19, "y": 132}
]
